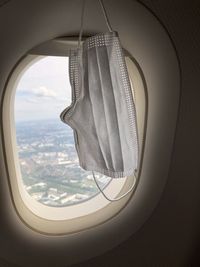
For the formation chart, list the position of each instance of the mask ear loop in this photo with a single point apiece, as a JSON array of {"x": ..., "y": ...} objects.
[
  {"x": 118, "y": 198},
  {"x": 105, "y": 16},
  {"x": 81, "y": 26},
  {"x": 82, "y": 19}
]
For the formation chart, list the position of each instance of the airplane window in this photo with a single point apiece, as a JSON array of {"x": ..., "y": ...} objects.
[
  {"x": 48, "y": 186},
  {"x": 47, "y": 157}
]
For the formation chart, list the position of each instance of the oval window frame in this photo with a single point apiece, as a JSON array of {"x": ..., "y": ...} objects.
[{"x": 39, "y": 217}]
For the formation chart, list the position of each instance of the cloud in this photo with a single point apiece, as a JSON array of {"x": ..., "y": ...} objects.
[
  {"x": 31, "y": 100},
  {"x": 43, "y": 91}
]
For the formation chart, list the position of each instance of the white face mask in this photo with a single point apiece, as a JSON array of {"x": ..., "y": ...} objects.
[{"x": 102, "y": 113}]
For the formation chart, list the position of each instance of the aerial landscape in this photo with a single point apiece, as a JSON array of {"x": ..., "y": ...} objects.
[{"x": 49, "y": 164}]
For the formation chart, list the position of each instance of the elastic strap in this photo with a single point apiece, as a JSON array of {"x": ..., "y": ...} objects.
[
  {"x": 82, "y": 18},
  {"x": 118, "y": 198},
  {"x": 105, "y": 15},
  {"x": 81, "y": 26}
]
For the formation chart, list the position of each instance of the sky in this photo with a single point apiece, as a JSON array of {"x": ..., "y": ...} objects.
[{"x": 44, "y": 90}]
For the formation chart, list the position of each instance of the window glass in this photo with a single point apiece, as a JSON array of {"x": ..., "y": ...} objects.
[{"x": 48, "y": 160}]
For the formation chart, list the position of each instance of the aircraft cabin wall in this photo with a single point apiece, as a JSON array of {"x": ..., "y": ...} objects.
[{"x": 160, "y": 224}]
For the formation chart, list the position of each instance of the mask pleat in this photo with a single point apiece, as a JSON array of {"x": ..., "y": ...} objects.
[
  {"x": 110, "y": 108},
  {"x": 120, "y": 104},
  {"x": 95, "y": 91}
]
